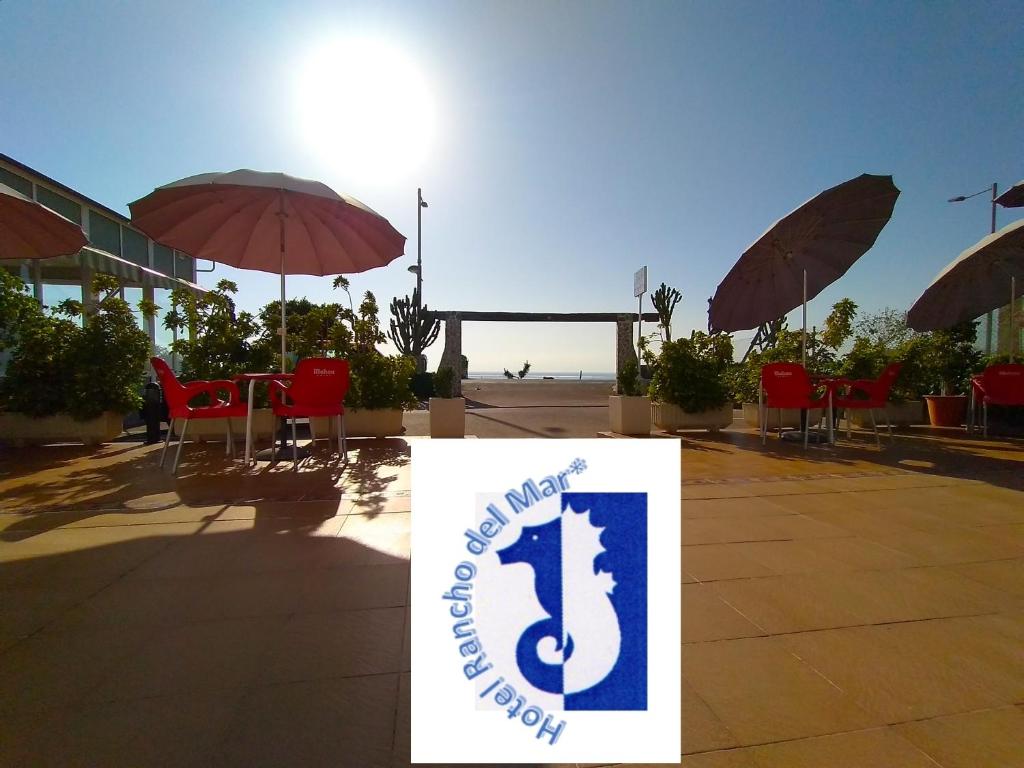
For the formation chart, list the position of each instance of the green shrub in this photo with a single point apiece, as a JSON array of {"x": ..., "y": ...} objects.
[
  {"x": 629, "y": 379},
  {"x": 444, "y": 382},
  {"x": 690, "y": 372},
  {"x": 82, "y": 368}
]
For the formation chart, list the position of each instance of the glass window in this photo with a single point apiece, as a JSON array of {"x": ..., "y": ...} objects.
[
  {"x": 183, "y": 265},
  {"x": 14, "y": 181},
  {"x": 62, "y": 205},
  {"x": 163, "y": 259},
  {"x": 164, "y": 337},
  {"x": 104, "y": 233},
  {"x": 136, "y": 246},
  {"x": 133, "y": 296},
  {"x": 54, "y": 294}
]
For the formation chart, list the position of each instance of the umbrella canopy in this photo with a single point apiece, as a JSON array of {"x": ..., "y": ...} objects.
[
  {"x": 982, "y": 278},
  {"x": 1013, "y": 197},
  {"x": 270, "y": 222},
  {"x": 29, "y": 230},
  {"x": 803, "y": 253}
]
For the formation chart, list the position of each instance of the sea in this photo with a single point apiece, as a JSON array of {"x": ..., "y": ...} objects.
[{"x": 557, "y": 375}]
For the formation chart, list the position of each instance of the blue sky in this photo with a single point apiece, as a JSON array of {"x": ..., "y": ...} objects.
[{"x": 561, "y": 145}]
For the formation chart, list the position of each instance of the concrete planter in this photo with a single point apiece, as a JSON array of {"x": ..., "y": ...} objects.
[
  {"x": 215, "y": 430},
  {"x": 630, "y": 415},
  {"x": 790, "y": 417},
  {"x": 375, "y": 422},
  {"x": 447, "y": 416},
  {"x": 18, "y": 429},
  {"x": 672, "y": 418},
  {"x": 900, "y": 415}
]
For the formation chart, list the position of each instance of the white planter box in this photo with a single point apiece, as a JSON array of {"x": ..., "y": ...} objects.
[
  {"x": 215, "y": 430},
  {"x": 790, "y": 417},
  {"x": 900, "y": 415},
  {"x": 672, "y": 418},
  {"x": 630, "y": 415},
  {"x": 18, "y": 429},
  {"x": 447, "y": 417},
  {"x": 375, "y": 422}
]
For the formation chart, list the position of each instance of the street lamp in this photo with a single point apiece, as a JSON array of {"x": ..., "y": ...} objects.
[
  {"x": 421, "y": 204},
  {"x": 959, "y": 199}
]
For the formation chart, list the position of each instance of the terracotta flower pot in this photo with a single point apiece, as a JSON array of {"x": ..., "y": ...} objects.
[{"x": 947, "y": 410}]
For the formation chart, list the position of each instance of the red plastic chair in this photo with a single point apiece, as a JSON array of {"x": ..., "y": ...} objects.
[
  {"x": 178, "y": 395},
  {"x": 317, "y": 389},
  {"x": 997, "y": 385},
  {"x": 787, "y": 385},
  {"x": 873, "y": 395}
]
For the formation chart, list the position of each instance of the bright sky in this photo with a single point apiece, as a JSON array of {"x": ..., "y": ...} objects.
[{"x": 560, "y": 145}]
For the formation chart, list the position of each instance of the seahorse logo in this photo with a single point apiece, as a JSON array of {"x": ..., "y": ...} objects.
[{"x": 578, "y": 644}]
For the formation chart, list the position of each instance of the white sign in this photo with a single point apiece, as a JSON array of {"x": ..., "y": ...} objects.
[
  {"x": 546, "y": 601},
  {"x": 640, "y": 282}
]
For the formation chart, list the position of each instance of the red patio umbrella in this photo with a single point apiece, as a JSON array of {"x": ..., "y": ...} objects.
[
  {"x": 269, "y": 222},
  {"x": 30, "y": 230}
]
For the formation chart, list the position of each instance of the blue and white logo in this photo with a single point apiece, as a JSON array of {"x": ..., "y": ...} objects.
[{"x": 571, "y": 594}]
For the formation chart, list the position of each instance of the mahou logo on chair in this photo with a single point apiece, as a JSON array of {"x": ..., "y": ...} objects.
[{"x": 546, "y": 601}]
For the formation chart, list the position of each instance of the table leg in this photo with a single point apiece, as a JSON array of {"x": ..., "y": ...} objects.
[{"x": 248, "y": 424}]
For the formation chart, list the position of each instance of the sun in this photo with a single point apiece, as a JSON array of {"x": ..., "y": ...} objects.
[{"x": 365, "y": 108}]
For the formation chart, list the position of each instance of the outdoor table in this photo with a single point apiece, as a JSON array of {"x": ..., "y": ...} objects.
[
  {"x": 830, "y": 385},
  {"x": 252, "y": 378}
]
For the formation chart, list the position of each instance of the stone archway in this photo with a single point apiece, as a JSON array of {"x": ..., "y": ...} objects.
[{"x": 624, "y": 349}]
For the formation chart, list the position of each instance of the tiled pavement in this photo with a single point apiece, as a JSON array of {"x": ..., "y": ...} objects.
[{"x": 842, "y": 608}]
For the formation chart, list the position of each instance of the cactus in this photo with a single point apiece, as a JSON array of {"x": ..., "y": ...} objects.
[
  {"x": 665, "y": 300},
  {"x": 412, "y": 329}
]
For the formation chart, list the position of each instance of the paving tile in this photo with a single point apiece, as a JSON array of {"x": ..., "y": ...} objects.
[
  {"x": 707, "y": 617},
  {"x": 826, "y": 554},
  {"x": 712, "y": 562},
  {"x": 988, "y": 650},
  {"x": 167, "y": 731},
  {"x": 401, "y": 751},
  {"x": 192, "y": 557},
  {"x": 134, "y": 603},
  {"x": 992, "y": 738},
  {"x": 342, "y": 644},
  {"x": 742, "y": 507},
  {"x": 802, "y": 602},
  {"x": 318, "y": 722},
  {"x": 764, "y": 528},
  {"x": 203, "y": 657},
  {"x": 1004, "y": 575},
  {"x": 860, "y": 749},
  {"x": 387, "y": 535},
  {"x": 48, "y": 671},
  {"x": 738, "y": 678},
  {"x": 356, "y": 587},
  {"x": 702, "y": 730},
  {"x": 892, "y": 678},
  {"x": 733, "y": 758}
]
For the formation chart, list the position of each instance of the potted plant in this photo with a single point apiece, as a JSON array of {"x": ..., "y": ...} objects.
[
  {"x": 884, "y": 338},
  {"x": 630, "y": 410},
  {"x": 74, "y": 373},
  {"x": 689, "y": 388},
  {"x": 447, "y": 412},
  {"x": 953, "y": 358}
]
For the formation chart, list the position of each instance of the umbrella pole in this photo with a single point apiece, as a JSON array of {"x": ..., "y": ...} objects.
[
  {"x": 1014, "y": 332},
  {"x": 284, "y": 321},
  {"x": 803, "y": 352}
]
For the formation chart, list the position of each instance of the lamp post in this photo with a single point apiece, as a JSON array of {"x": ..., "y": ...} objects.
[
  {"x": 959, "y": 199},
  {"x": 420, "y": 205}
]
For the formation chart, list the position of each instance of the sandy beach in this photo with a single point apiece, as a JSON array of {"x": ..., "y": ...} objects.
[{"x": 535, "y": 393}]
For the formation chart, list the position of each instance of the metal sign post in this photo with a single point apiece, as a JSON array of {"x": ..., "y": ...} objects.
[{"x": 639, "y": 289}]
